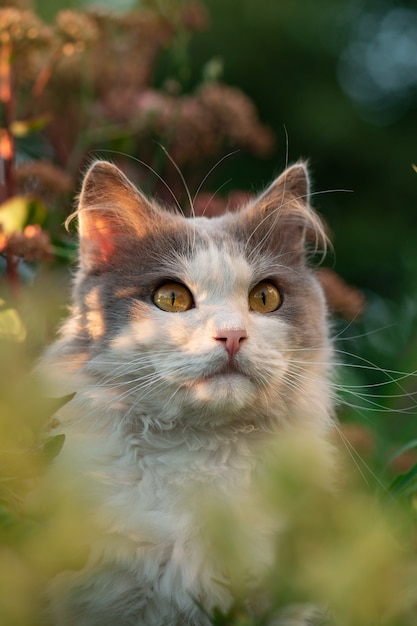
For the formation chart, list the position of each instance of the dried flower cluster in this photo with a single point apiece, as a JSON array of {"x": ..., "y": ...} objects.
[
  {"x": 231, "y": 109},
  {"x": 16, "y": 4},
  {"x": 111, "y": 57},
  {"x": 196, "y": 126},
  {"x": 43, "y": 179},
  {"x": 33, "y": 244},
  {"x": 25, "y": 39},
  {"x": 135, "y": 38},
  {"x": 23, "y": 29},
  {"x": 70, "y": 81},
  {"x": 194, "y": 16},
  {"x": 76, "y": 29}
]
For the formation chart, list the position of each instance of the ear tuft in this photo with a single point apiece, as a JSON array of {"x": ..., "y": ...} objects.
[
  {"x": 110, "y": 208},
  {"x": 105, "y": 184},
  {"x": 295, "y": 180},
  {"x": 284, "y": 208}
]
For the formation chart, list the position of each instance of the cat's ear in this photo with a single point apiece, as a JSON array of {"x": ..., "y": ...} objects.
[
  {"x": 284, "y": 208},
  {"x": 110, "y": 209},
  {"x": 294, "y": 181}
]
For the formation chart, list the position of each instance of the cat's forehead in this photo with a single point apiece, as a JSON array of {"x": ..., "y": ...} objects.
[
  {"x": 229, "y": 233},
  {"x": 219, "y": 240},
  {"x": 217, "y": 251},
  {"x": 218, "y": 267}
]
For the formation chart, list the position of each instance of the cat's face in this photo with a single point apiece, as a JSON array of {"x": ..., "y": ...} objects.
[{"x": 198, "y": 319}]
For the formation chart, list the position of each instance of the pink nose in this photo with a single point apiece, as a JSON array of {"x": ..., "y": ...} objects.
[{"x": 232, "y": 339}]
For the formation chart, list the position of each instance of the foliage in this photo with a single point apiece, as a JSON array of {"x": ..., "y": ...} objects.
[
  {"x": 65, "y": 96},
  {"x": 294, "y": 69},
  {"x": 342, "y": 552},
  {"x": 39, "y": 525},
  {"x": 78, "y": 83}
]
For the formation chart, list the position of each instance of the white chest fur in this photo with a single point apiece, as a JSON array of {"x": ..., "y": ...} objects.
[{"x": 150, "y": 553}]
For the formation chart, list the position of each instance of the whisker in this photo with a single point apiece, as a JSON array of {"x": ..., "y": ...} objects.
[
  {"x": 214, "y": 194},
  {"x": 187, "y": 191},
  {"x": 226, "y": 156},
  {"x": 287, "y": 146},
  {"x": 371, "y": 405},
  {"x": 151, "y": 169},
  {"x": 368, "y": 333},
  {"x": 355, "y": 457}
]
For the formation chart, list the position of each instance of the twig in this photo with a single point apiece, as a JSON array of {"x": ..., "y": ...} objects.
[{"x": 7, "y": 148}]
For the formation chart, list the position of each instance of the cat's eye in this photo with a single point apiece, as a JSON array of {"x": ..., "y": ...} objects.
[
  {"x": 173, "y": 298},
  {"x": 264, "y": 298}
]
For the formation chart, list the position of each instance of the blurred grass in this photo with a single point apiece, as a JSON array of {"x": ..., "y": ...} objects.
[
  {"x": 42, "y": 527},
  {"x": 348, "y": 550},
  {"x": 341, "y": 550},
  {"x": 354, "y": 551}
]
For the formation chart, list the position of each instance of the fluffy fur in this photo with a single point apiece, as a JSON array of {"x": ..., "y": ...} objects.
[{"x": 162, "y": 407}]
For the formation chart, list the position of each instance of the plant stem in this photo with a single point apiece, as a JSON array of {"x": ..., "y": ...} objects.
[{"x": 7, "y": 149}]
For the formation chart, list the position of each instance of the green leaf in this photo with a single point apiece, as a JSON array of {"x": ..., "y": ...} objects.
[
  {"x": 408, "y": 446},
  {"x": 22, "y": 128},
  {"x": 7, "y": 518},
  {"x": 14, "y": 214},
  {"x": 406, "y": 484},
  {"x": 13, "y": 527},
  {"x": 65, "y": 252},
  {"x": 37, "y": 211},
  {"x": 57, "y": 403},
  {"x": 52, "y": 447},
  {"x": 11, "y": 325},
  {"x": 17, "y": 212}
]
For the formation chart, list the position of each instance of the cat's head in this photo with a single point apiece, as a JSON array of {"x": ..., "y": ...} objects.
[{"x": 199, "y": 320}]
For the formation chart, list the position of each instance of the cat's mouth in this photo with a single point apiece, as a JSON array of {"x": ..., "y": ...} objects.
[
  {"x": 229, "y": 370},
  {"x": 228, "y": 388}
]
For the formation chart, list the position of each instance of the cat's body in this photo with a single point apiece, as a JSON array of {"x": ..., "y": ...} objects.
[{"x": 192, "y": 344}]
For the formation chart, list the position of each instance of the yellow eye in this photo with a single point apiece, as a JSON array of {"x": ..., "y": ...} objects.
[
  {"x": 173, "y": 297},
  {"x": 264, "y": 298}
]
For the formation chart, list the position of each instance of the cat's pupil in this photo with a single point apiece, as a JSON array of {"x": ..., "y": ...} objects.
[
  {"x": 173, "y": 298},
  {"x": 264, "y": 298}
]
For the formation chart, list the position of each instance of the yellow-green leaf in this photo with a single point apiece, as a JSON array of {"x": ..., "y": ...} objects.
[
  {"x": 22, "y": 128},
  {"x": 11, "y": 325},
  {"x": 14, "y": 214}
]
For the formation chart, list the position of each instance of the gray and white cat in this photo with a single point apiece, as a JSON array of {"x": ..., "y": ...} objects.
[{"x": 191, "y": 345}]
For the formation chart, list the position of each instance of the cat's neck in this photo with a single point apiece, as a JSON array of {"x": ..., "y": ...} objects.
[
  {"x": 175, "y": 424},
  {"x": 160, "y": 440}
]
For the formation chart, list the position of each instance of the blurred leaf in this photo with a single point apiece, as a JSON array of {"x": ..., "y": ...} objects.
[
  {"x": 14, "y": 214},
  {"x": 115, "y": 5},
  {"x": 52, "y": 447},
  {"x": 65, "y": 251},
  {"x": 57, "y": 403},
  {"x": 408, "y": 446},
  {"x": 406, "y": 484},
  {"x": 23, "y": 128},
  {"x": 37, "y": 211},
  {"x": 11, "y": 325},
  {"x": 7, "y": 519},
  {"x": 17, "y": 212},
  {"x": 34, "y": 146}
]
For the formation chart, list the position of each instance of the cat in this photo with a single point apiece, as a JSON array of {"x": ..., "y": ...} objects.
[{"x": 180, "y": 347}]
